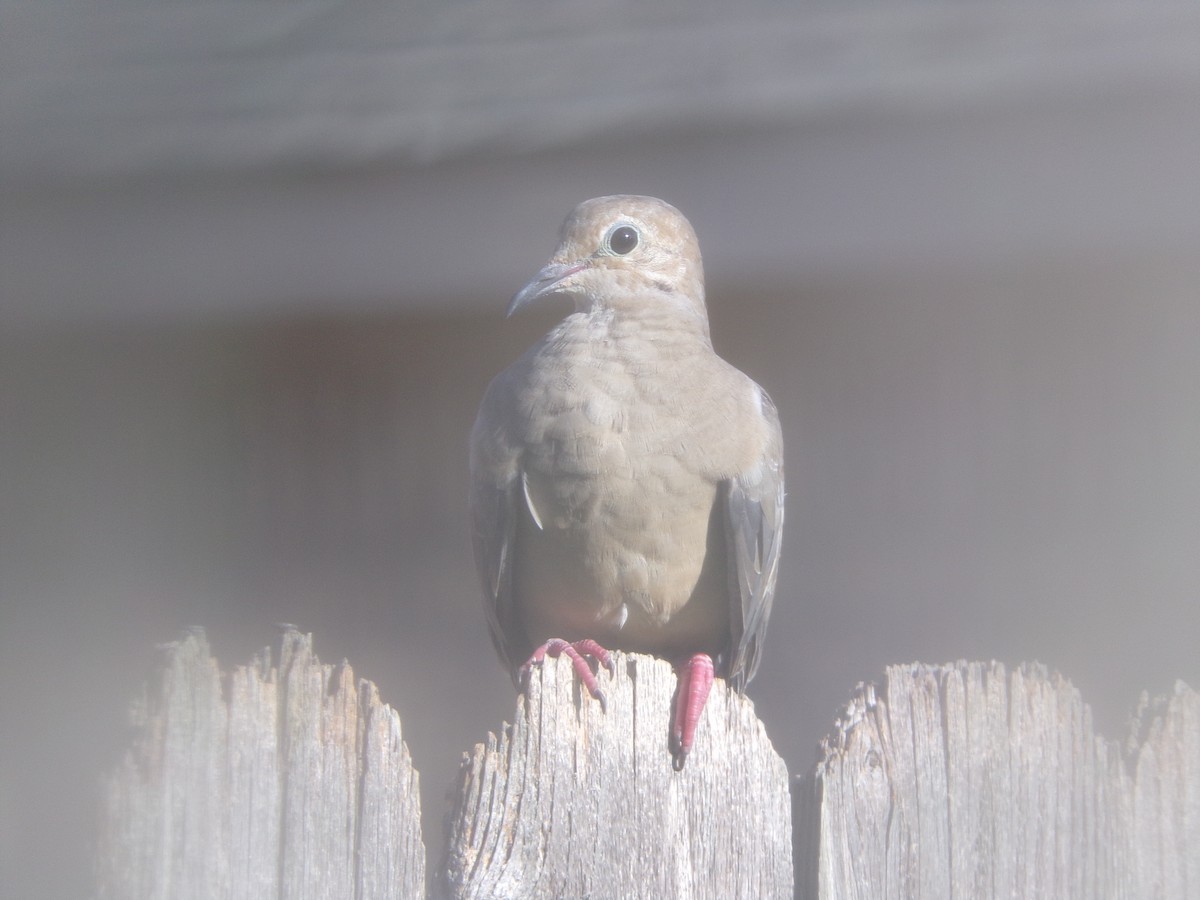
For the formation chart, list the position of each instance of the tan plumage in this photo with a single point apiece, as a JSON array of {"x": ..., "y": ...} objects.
[{"x": 626, "y": 482}]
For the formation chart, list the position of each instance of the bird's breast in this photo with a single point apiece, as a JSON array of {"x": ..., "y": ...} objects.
[{"x": 618, "y": 516}]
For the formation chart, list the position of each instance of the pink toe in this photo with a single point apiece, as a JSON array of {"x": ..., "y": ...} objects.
[
  {"x": 577, "y": 652},
  {"x": 695, "y": 682}
]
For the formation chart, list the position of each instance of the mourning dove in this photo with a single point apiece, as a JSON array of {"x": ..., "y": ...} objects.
[{"x": 627, "y": 482}]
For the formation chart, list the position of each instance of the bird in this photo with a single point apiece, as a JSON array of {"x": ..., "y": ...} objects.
[{"x": 626, "y": 482}]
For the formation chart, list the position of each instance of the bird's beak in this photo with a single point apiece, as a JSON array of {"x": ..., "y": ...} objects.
[{"x": 544, "y": 282}]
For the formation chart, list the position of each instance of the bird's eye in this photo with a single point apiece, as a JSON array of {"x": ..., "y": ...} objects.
[{"x": 623, "y": 239}]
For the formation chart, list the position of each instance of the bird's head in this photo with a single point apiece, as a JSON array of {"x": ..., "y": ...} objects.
[{"x": 623, "y": 253}]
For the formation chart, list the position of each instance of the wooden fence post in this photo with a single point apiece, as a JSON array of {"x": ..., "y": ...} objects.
[
  {"x": 966, "y": 781},
  {"x": 571, "y": 801},
  {"x": 275, "y": 782},
  {"x": 962, "y": 780}
]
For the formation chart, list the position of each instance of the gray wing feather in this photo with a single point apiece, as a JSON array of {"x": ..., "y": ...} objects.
[
  {"x": 495, "y": 483},
  {"x": 754, "y": 533},
  {"x": 493, "y": 533}
]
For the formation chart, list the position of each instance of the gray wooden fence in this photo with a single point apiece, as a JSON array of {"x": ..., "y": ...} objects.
[{"x": 290, "y": 779}]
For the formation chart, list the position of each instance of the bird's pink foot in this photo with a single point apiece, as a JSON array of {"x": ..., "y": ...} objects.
[
  {"x": 695, "y": 681},
  {"x": 576, "y": 651}
]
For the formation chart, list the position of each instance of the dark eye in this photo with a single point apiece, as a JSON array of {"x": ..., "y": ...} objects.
[{"x": 623, "y": 240}]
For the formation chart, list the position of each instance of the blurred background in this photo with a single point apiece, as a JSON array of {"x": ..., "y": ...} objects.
[{"x": 253, "y": 264}]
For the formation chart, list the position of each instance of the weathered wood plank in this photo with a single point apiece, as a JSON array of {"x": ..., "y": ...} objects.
[
  {"x": 958, "y": 780},
  {"x": 1165, "y": 750},
  {"x": 570, "y": 801},
  {"x": 295, "y": 784},
  {"x": 964, "y": 780}
]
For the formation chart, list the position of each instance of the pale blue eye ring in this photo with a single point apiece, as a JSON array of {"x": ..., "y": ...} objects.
[{"x": 623, "y": 240}]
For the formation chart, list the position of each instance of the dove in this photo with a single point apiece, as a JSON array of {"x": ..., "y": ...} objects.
[{"x": 626, "y": 482}]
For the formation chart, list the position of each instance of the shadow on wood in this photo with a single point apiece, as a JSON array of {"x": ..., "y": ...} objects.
[
  {"x": 570, "y": 801},
  {"x": 964, "y": 780},
  {"x": 272, "y": 782}
]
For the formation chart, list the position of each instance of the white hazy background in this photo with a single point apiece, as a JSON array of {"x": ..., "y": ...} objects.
[{"x": 253, "y": 263}]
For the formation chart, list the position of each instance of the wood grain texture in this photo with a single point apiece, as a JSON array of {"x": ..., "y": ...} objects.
[
  {"x": 288, "y": 781},
  {"x": 571, "y": 801},
  {"x": 965, "y": 780},
  {"x": 961, "y": 780}
]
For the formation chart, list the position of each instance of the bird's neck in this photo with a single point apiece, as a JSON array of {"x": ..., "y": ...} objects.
[{"x": 655, "y": 323}]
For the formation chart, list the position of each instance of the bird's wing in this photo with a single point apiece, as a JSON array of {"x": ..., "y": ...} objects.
[
  {"x": 495, "y": 483},
  {"x": 753, "y": 534}
]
